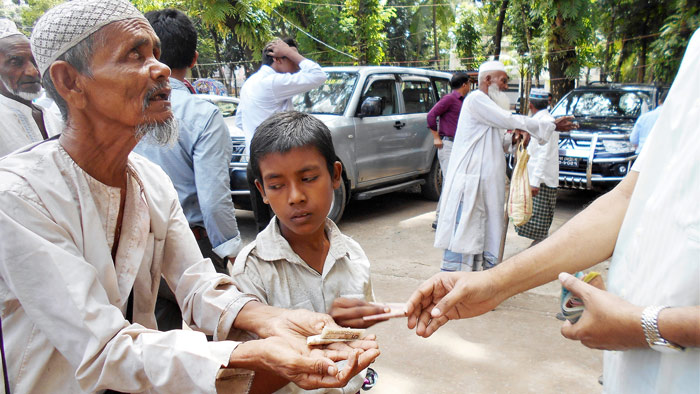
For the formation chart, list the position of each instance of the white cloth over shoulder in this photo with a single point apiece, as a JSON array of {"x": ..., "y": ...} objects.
[
  {"x": 476, "y": 175},
  {"x": 18, "y": 127},
  {"x": 657, "y": 254},
  {"x": 543, "y": 166},
  {"x": 63, "y": 297}
]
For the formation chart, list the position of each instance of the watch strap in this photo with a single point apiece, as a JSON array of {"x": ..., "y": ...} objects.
[{"x": 650, "y": 325}]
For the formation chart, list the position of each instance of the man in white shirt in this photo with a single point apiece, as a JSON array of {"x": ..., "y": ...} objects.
[
  {"x": 650, "y": 225},
  {"x": 284, "y": 73},
  {"x": 543, "y": 171},
  {"x": 471, "y": 206},
  {"x": 89, "y": 228},
  {"x": 23, "y": 122}
]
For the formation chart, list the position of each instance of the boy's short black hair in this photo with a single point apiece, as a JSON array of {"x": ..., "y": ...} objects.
[
  {"x": 267, "y": 59},
  {"x": 178, "y": 37},
  {"x": 285, "y": 131},
  {"x": 459, "y": 79}
]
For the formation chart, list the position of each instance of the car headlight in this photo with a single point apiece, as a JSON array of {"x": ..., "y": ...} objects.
[{"x": 618, "y": 146}]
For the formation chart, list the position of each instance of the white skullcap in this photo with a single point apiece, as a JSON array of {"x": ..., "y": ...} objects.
[
  {"x": 8, "y": 28},
  {"x": 65, "y": 25},
  {"x": 539, "y": 94},
  {"x": 491, "y": 65}
]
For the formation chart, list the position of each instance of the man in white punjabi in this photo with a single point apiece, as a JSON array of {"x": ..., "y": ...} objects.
[
  {"x": 649, "y": 227},
  {"x": 89, "y": 228},
  {"x": 543, "y": 171},
  {"x": 23, "y": 122},
  {"x": 471, "y": 208}
]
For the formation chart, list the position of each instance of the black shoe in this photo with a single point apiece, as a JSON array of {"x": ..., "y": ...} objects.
[{"x": 434, "y": 225}]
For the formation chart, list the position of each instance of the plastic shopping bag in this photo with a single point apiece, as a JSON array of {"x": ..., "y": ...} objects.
[{"x": 520, "y": 197}]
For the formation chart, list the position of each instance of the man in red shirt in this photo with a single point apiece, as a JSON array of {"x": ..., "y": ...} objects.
[{"x": 447, "y": 109}]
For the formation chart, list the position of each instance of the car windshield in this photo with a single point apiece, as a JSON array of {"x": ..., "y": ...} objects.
[
  {"x": 612, "y": 103},
  {"x": 227, "y": 108},
  {"x": 330, "y": 98}
]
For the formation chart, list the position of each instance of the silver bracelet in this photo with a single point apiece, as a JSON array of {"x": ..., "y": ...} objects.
[{"x": 650, "y": 325}]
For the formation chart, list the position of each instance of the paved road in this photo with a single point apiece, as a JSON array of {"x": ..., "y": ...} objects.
[{"x": 515, "y": 349}]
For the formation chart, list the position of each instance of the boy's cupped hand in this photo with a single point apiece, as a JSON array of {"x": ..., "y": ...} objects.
[{"x": 349, "y": 312}]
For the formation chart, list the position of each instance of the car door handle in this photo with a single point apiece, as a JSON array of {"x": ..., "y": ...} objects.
[{"x": 399, "y": 124}]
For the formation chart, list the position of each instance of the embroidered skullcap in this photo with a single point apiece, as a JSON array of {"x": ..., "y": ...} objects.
[
  {"x": 66, "y": 25},
  {"x": 539, "y": 94},
  {"x": 8, "y": 28},
  {"x": 491, "y": 65}
]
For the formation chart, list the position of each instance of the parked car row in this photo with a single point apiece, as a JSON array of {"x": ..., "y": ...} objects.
[{"x": 377, "y": 118}]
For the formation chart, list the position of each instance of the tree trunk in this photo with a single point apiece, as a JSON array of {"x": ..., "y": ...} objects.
[
  {"x": 607, "y": 56},
  {"x": 618, "y": 66},
  {"x": 562, "y": 54},
  {"x": 499, "y": 30},
  {"x": 435, "y": 38},
  {"x": 217, "y": 54}
]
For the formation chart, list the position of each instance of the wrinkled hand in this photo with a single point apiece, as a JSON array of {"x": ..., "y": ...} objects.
[
  {"x": 451, "y": 295},
  {"x": 565, "y": 123},
  {"x": 608, "y": 322},
  {"x": 534, "y": 190},
  {"x": 279, "y": 48},
  {"x": 291, "y": 359},
  {"x": 298, "y": 323},
  {"x": 519, "y": 135},
  {"x": 348, "y": 312}
]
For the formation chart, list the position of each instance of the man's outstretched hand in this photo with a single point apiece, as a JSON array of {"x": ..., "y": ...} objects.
[
  {"x": 565, "y": 123},
  {"x": 451, "y": 295}
]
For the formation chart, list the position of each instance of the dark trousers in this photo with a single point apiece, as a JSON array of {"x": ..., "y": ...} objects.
[
  {"x": 262, "y": 212},
  {"x": 168, "y": 313}
]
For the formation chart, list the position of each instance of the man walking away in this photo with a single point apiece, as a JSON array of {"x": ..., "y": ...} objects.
[
  {"x": 447, "y": 109},
  {"x": 284, "y": 73},
  {"x": 543, "y": 171}
]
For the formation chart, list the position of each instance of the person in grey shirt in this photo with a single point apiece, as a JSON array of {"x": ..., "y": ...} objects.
[{"x": 198, "y": 163}]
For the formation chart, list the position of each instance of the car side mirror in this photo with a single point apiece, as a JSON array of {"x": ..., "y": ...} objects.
[{"x": 372, "y": 106}]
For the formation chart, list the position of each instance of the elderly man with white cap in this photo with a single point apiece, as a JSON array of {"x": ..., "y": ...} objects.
[
  {"x": 471, "y": 209},
  {"x": 23, "y": 122},
  {"x": 543, "y": 172},
  {"x": 649, "y": 227},
  {"x": 88, "y": 230}
]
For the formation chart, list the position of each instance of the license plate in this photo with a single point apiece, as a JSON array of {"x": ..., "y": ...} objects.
[{"x": 568, "y": 161}]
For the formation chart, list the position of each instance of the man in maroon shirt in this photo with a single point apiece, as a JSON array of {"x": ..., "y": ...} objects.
[{"x": 447, "y": 109}]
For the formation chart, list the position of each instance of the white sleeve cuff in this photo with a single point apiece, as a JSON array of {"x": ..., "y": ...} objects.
[{"x": 230, "y": 247}]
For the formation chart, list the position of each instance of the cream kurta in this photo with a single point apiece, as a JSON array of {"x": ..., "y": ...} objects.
[
  {"x": 657, "y": 253},
  {"x": 476, "y": 176},
  {"x": 18, "y": 127},
  {"x": 270, "y": 269},
  {"x": 63, "y": 298}
]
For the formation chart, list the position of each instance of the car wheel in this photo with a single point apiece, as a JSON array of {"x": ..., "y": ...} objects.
[
  {"x": 433, "y": 182},
  {"x": 340, "y": 199}
]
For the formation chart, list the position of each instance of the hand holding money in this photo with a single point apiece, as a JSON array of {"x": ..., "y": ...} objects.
[{"x": 349, "y": 312}]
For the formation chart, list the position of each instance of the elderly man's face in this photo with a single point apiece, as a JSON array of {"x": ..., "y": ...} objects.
[
  {"x": 18, "y": 71},
  {"x": 129, "y": 86},
  {"x": 500, "y": 78}
]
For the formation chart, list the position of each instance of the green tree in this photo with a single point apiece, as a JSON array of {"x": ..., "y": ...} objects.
[
  {"x": 668, "y": 49},
  {"x": 366, "y": 19},
  {"x": 468, "y": 37}
]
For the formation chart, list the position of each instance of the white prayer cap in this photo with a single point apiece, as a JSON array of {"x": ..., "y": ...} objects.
[
  {"x": 66, "y": 25},
  {"x": 8, "y": 28},
  {"x": 539, "y": 94},
  {"x": 491, "y": 65}
]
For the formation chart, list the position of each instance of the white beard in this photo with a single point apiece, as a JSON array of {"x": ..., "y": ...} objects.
[
  {"x": 499, "y": 97},
  {"x": 29, "y": 96},
  {"x": 161, "y": 134}
]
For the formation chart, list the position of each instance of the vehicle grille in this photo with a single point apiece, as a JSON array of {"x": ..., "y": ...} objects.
[
  {"x": 571, "y": 143},
  {"x": 238, "y": 149}
]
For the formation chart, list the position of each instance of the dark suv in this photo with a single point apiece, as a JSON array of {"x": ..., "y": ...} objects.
[{"x": 599, "y": 154}]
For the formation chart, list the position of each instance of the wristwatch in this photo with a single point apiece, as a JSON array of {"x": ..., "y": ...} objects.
[{"x": 650, "y": 325}]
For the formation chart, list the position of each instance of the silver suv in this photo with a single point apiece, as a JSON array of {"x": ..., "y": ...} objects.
[{"x": 377, "y": 117}]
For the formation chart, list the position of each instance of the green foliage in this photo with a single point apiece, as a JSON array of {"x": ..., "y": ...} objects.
[
  {"x": 366, "y": 19},
  {"x": 668, "y": 49},
  {"x": 468, "y": 38}
]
